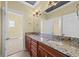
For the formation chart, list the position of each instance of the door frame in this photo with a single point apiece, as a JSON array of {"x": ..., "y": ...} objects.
[{"x": 4, "y": 19}]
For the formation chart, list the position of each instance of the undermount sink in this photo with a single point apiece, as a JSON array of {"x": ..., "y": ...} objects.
[{"x": 55, "y": 42}]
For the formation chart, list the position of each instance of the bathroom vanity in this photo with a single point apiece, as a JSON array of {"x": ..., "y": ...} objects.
[{"x": 38, "y": 46}]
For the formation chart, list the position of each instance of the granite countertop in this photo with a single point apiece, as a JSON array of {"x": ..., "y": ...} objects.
[{"x": 61, "y": 46}]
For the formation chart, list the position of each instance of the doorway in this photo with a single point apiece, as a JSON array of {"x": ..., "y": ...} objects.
[{"x": 14, "y": 40}]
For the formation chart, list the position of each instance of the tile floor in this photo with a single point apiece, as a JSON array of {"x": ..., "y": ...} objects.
[{"x": 20, "y": 54}]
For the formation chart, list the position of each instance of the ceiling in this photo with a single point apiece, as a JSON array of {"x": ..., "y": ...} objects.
[
  {"x": 59, "y": 4},
  {"x": 31, "y": 2},
  {"x": 43, "y": 5},
  {"x": 35, "y": 5}
]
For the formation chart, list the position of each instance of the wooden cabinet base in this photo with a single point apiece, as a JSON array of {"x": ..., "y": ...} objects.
[
  {"x": 38, "y": 49},
  {"x": 45, "y": 50}
]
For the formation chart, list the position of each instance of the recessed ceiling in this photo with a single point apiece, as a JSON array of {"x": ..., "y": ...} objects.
[
  {"x": 59, "y": 4},
  {"x": 31, "y": 2}
]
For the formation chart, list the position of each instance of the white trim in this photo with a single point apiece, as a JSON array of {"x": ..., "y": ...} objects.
[
  {"x": 15, "y": 12},
  {"x": 60, "y": 7},
  {"x": 33, "y": 6},
  {"x": 23, "y": 35},
  {"x": 4, "y": 26}
]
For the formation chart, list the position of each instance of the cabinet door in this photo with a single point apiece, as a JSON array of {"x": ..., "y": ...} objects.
[
  {"x": 71, "y": 25},
  {"x": 33, "y": 53},
  {"x": 28, "y": 43},
  {"x": 34, "y": 48},
  {"x": 41, "y": 52}
]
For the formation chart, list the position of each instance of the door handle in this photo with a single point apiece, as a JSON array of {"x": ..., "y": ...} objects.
[{"x": 7, "y": 38}]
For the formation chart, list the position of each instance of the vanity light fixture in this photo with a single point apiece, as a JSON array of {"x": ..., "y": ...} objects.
[{"x": 36, "y": 13}]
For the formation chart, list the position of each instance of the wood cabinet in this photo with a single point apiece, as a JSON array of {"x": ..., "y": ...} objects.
[
  {"x": 31, "y": 46},
  {"x": 38, "y": 49},
  {"x": 42, "y": 52},
  {"x": 46, "y": 51},
  {"x": 34, "y": 47},
  {"x": 28, "y": 44}
]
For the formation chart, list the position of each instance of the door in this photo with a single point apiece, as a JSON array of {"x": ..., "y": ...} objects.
[
  {"x": 14, "y": 41},
  {"x": 42, "y": 52}
]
